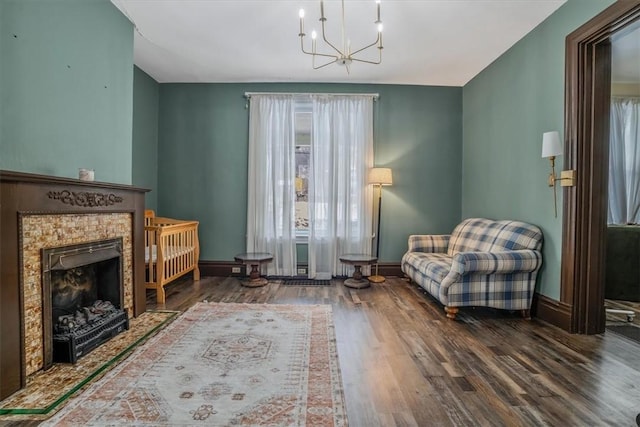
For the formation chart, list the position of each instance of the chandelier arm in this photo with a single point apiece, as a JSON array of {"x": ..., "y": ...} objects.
[
  {"x": 324, "y": 37},
  {"x": 368, "y": 46},
  {"x": 324, "y": 65},
  {"x": 368, "y": 62},
  {"x": 316, "y": 53},
  {"x": 371, "y": 62},
  {"x": 323, "y": 54},
  {"x": 302, "y": 45}
]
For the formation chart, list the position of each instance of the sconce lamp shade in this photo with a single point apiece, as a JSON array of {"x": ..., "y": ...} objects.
[
  {"x": 380, "y": 176},
  {"x": 551, "y": 145}
]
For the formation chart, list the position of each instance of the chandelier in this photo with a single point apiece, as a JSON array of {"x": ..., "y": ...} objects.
[{"x": 342, "y": 55}]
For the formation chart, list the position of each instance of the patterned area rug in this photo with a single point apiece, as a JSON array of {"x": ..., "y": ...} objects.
[{"x": 224, "y": 365}]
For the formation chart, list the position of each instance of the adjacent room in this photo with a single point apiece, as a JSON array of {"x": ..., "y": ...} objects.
[{"x": 319, "y": 212}]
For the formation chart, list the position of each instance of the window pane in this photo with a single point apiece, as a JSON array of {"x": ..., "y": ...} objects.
[{"x": 303, "y": 154}]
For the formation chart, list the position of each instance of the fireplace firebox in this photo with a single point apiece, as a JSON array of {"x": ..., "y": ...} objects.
[{"x": 83, "y": 298}]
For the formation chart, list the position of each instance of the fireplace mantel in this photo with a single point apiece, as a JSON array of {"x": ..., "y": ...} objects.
[{"x": 30, "y": 194}]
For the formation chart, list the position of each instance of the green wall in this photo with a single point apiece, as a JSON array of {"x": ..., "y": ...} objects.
[
  {"x": 203, "y": 137},
  {"x": 69, "y": 101},
  {"x": 66, "y": 83},
  {"x": 146, "y": 95},
  {"x": 506, "y": 109}
]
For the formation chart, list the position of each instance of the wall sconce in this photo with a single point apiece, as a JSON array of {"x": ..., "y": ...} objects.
[{"x": 551, "y": 147}]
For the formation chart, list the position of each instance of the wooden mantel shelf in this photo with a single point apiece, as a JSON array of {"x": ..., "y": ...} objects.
[{"x": 30, "y": 178}]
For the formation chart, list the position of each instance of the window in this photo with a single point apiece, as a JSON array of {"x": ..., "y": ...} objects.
[
  {"x": 308, "y": 161},
  {"x": 302, "y": 158}
]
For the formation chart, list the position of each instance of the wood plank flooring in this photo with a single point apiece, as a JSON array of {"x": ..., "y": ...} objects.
[{"x": 404, "y": 364}]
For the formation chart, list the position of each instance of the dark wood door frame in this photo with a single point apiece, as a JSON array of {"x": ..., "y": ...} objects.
[{"x": 587, "y": 98}]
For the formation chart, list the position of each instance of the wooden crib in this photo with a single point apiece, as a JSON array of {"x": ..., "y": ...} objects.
[{"x": 171, "y": 250}]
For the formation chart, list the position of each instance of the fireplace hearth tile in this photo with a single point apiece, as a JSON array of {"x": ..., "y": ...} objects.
[{"x": 47, "y": 391}]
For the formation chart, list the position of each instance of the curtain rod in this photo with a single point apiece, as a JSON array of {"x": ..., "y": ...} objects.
[{"x": 248, "y": 95}]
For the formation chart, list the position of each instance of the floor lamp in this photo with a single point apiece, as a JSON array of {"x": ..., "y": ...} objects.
[{"x": 379, "y": 177}]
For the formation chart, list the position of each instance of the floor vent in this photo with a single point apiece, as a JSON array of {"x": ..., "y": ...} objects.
[{"x": 306, "y": 282}]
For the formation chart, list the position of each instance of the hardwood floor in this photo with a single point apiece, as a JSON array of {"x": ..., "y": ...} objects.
[{"x": 404, "y": 364}]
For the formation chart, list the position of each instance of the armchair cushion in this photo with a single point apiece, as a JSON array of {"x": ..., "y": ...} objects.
[
  {"x": 429, "y": 243},
  {"x": 485, "y": 235},
  {"x": 496, "y": 262}
]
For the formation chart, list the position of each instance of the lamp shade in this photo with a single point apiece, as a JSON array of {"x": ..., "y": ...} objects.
[
  {"x": 380, "y": 176},
  {"x": 551, "y": 145}
]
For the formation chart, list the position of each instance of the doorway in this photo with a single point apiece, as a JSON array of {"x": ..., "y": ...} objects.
[
  {"x": 587, "y": 103},
  {"x": 622, "y": 262}
]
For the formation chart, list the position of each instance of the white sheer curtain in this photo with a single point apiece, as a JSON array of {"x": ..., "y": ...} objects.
[
  {"x": 624, "y": 161},
  {"x": 340, "y": 201},
  {"x": 271, "y": 201}
]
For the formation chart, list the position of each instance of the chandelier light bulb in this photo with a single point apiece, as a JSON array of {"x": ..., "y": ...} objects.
[
  {"x": 380, "y": 27},
  {"x": 301, "y": 13},
  {"x": 313, "y": 41}
]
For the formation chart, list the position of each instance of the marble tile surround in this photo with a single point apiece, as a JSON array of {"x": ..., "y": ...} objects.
[{"x": 49, "y": 231}]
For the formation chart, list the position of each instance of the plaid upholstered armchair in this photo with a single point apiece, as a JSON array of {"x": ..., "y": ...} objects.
[{"x": 481, "y": 263}]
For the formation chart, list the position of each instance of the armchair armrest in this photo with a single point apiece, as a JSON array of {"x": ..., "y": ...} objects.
[
  {"x": 429, "y": 243},
  {"x": 521, "y": 261}
]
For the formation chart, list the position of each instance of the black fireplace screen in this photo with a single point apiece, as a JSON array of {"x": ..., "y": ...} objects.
[{"x": 83, "y": 298}]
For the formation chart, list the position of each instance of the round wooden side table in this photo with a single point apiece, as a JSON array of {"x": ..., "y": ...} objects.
[
  {"x": 357, "y": 281},
  {"x": 255, "y": 260}
]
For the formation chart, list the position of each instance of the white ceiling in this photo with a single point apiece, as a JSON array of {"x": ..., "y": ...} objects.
[{"x": 426, "y": 42}]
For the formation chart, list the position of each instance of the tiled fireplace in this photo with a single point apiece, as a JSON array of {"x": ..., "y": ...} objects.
[
  {"x": 60, "y": 230},
  {"x": 43, "y": 215}
]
